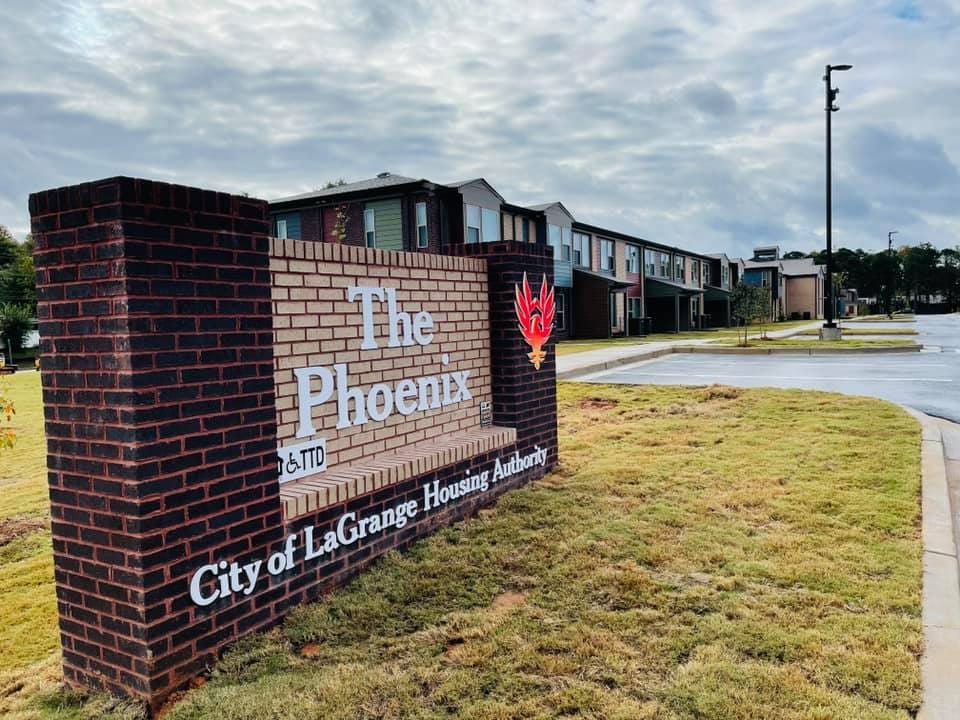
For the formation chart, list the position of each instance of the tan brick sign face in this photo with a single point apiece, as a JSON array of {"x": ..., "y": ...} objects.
[{"x": 418, "y": 369}]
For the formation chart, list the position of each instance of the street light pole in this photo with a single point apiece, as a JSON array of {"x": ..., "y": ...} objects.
[
  {"x": 832, "y": 332},
  {"x": 893, "y": 276}
]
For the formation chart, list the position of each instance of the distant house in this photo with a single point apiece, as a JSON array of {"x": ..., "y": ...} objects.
[
  {"x": 796, "y": 286},
  {"x": 765, "y": 270},
  {"x": 804, "y": 282}
]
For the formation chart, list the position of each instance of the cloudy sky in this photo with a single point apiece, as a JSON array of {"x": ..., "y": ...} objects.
[{"x": 692, "y": 123}]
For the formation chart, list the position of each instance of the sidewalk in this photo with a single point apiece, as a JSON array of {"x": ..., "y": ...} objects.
[
  {"x": 570, "y": 366},
  {"x": 941, "y": 573}
]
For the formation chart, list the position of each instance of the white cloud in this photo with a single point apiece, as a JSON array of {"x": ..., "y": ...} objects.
[{"x": 696, "y": 123}]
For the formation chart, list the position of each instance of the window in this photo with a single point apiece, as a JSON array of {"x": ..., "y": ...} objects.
[
  {"x": 553, "y": 239},
  {"x": 636, "y": 307},
  {"x": 565, "y": 248},
  {"x": 525, "y": 230},
  {"x": 282, "y": 229},
  {"x": 695, "y": 273},
  {"x": 560, "y": 312},
  {"x": 765, "y": 278},
  {"x": 705, "y": 273},
  {"x": 725, "y": 273},
  {"x": 370, "y": 227},
  {"x": 473, "y": 224},
  {"x": 649, "y": 263},
  {"x": 606, "y": 254},
  {"x": 664, "y": 265},
  {"x": 422, "y": 224},
  {"x": 679, "y": 268},
  {"x": 581, "y": 250},
  {"x": 491, "y": 225},
  {"x": 633, "y": 259}
]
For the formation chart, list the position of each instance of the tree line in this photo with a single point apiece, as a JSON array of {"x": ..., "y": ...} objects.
[
  {"x": 908, "y": 276},
  {"x": 18, "y": 291}
]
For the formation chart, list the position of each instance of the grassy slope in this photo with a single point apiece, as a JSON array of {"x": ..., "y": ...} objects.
[
  {"x": 805, "y": 342},
  {"x": 847, "y": 330},
  {"x": 568, "y": 347},
  {"x": 28, "y": 627},
  {"x": 698, "y": 554}
]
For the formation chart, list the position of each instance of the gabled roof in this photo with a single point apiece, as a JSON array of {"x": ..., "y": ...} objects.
[
  {"x": 543, "y": 207},
  {"x": 384, "y": 180},
  {"x": 800, "y": 266},
  {"x": 760, "y": 264},
  {"x": 476, "y": 181}
]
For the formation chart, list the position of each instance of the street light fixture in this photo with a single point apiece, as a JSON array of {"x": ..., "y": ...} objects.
[{"x": 830, "y": 330}]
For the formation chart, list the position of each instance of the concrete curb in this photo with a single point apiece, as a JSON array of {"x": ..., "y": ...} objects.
[
  {"x": 941, "y": 582},
  {"x": 616, "y": 362},
  {"x": 642, "y": 355}
]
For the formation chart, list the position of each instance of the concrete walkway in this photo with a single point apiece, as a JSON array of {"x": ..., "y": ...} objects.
[
  {"x": 569, "y": 366},
  {"x": 940, "y": 666}
]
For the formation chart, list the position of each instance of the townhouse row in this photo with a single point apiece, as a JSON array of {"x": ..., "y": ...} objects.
[{"x": 608, "y": 283}]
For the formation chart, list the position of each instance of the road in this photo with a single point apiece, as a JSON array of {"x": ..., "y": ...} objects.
[{"x": 928, "y": 381}]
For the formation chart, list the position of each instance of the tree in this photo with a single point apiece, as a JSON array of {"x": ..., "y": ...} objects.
[
  {"x": 9, "y": 249},
  {"x": 919, "y": 269},
  {"x": 746, "y": 304},
  {"x": 947, "y": 278},
  {"x": 15, "y": 323},
  {"x": 18, "y": 282},
  {"x": 794, "y": 255}
]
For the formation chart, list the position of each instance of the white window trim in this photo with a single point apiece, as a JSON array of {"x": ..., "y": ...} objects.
[
  {"x": 282, "y": 229},
  {"x": 605, "y": 257},
  {"x": 426, "y": 238},
  {"x": 496, "y": 225},
  {"x": 369, "y": 226},
  {"x": 561, "y": 311}
]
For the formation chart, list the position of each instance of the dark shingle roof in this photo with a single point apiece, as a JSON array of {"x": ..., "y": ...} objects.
[{"x": 369, "y": 184}]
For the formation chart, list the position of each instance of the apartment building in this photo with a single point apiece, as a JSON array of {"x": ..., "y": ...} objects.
[
  {"x": 607, "y": 283},
  {"x": 796, "y": 285}
]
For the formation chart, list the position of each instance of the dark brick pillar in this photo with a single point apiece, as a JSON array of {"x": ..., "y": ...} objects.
[
  {"x": 157, "y": 361},
  {"x": 523, "y": 396}
]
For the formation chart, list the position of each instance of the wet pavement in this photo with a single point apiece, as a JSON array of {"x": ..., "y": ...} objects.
[{"x": 928, "y": 381}]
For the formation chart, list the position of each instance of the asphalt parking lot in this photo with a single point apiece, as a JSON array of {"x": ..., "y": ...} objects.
[{"x": 928, "y": 381}]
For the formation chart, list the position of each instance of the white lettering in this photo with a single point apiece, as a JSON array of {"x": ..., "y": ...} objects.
[
  {"x": 307, "y": 401},
  {"x": 366, "y": 300},
  {"x": 196, "y": 593},
  {"x": 406, "y": 391},
  {"x": 376, "y": 413},
  {"x": 423, "y": 321},
  {"x": 345, "y": 394}
]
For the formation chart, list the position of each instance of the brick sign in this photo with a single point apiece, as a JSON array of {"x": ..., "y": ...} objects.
[{"x": 237, "y": 424}]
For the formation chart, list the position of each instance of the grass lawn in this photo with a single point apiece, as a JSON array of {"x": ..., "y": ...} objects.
[
  {"x": 28, "y": 627},
  {"x": 705, "y": 553},
  {"x": 847, "y": 330},
  {"x": 568, "y": 347},
  {"x": 806, "y": 342}
]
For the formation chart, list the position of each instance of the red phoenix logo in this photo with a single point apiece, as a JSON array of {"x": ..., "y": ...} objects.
[{"x": 535, "y": 315}]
